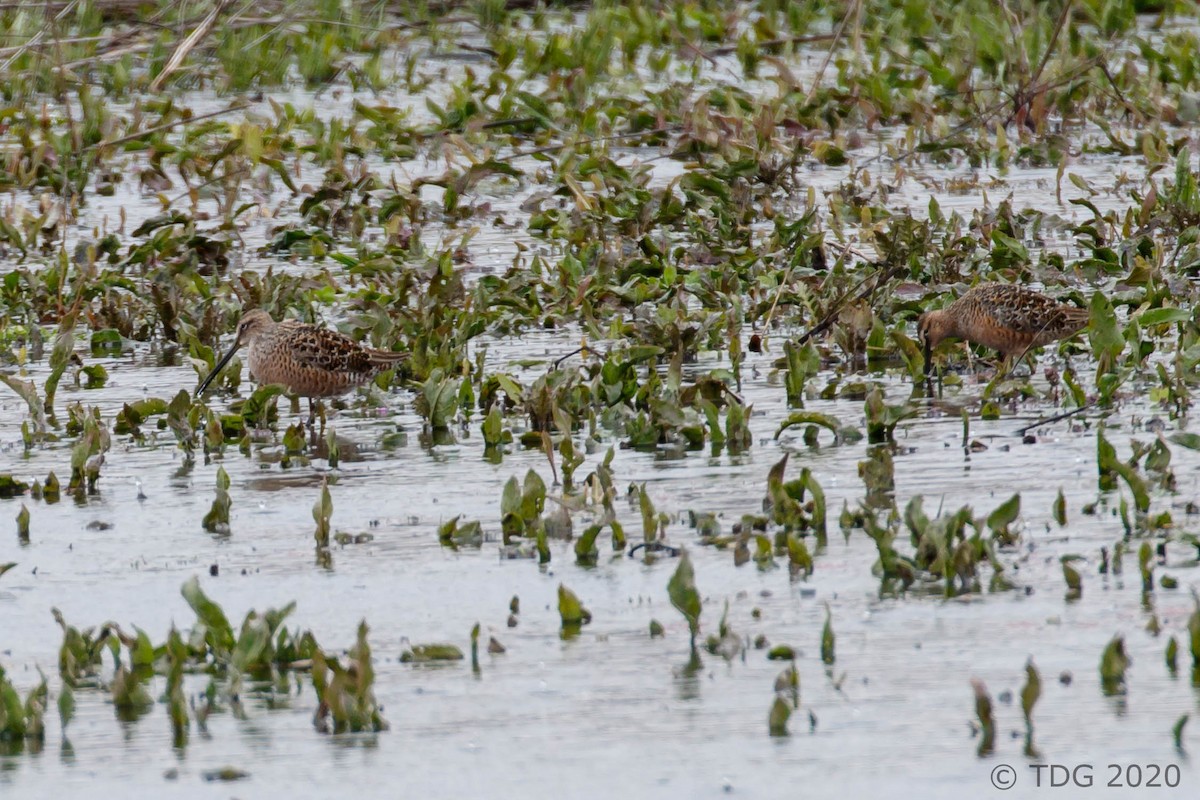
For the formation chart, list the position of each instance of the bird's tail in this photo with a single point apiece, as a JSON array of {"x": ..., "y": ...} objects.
[
  {"x": 1076, "y": 318},
  {"x": 387, "y": 358}
]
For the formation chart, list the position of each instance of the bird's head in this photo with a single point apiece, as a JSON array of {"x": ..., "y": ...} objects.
[
  {"x": 932, "y": 328},
  {"x": 254, "y": 323}
]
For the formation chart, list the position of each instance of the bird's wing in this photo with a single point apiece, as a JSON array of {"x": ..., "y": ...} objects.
[
  {"x": 324, "y": 349},
  {"x": 1032, "y": 313}
]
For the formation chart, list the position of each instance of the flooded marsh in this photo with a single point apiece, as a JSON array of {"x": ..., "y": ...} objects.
[{"x": 651, "y": 486}]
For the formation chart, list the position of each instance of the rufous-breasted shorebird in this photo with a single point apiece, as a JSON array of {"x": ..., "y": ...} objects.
[
  {"x": 307, "y": 360},
  {"x": 1005, "y": 317}
]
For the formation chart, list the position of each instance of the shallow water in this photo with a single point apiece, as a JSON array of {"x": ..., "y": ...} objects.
[
  {"x": 894, "y": 714},
  {"x": 891, "y": 718}
]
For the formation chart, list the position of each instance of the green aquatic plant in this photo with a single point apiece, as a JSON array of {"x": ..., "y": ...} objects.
[
  {"x": 217, "y": 518},
  {"x": 1072, "y": 577},
  {"x": 1003, "y": 517},
  {"x": 777, "y": 719},
  {"x": 828, "y": 639},
  {"x": 347, "y": 691},
  {"x": 177, "y": 708},
  {"x": 1146, "y": 566},
  {"x": 987, "y": 722},
  {"x": 60, "y": 357},
  {"x": 803, "y": 363},
  {"x": 882, "y": 418},
  {"x": 425, "y": 653},
  {"x": 572, "y": 612},
  {"x": 1111, "y": 468},
  {"x": 1031, "y": 692},
  {"x": 521, "y": 507},
  {"x": 726, "y": 642},
  {"x": 23, "y": 525},
  {"x": 453, "y": 535},
  {"x": 322, "y": 512},
  {"x": 87, "y": 456},
  {"x": 681, "y": 589},
  {"x": 1113, "y": 663},
  {"x": 21, "y": 723}
]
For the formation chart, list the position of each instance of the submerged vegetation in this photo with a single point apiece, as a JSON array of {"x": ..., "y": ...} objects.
[{"x": 712, "y": 213}]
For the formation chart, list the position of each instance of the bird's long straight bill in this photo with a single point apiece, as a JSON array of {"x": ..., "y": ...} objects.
[{"x": 216, "y": 370}]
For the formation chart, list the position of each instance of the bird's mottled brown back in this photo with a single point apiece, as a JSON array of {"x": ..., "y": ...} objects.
[
  {"x": 324, "y": 349},
  {"x": 1024, "y": 311},
  {"x": 313, "y": 361}
]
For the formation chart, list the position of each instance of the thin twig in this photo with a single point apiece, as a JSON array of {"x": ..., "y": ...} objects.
[
  {"x": 564, "y": 145},
  {"x": 732, "y": 48},
  {"x": 37, "y": 37},
  {"x": 558, "y": 361},
  {"x": 994, "y": 109},
  {"x": 188, "y": 44},
  {"x": 845, "y": 299},
  {"x": 1055, "y": 418},
  {"x": 837, "y": 35},
  {"x": 1062, "y": 20},
  {"x": 166, "y": 126},
  {"x": 1023, "y": 95}
]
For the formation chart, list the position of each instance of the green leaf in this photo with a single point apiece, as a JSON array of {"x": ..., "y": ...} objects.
[
  {"x": 1161, "y": 316},
  {"x": 1109, "y": 466},
  {"x": 64, "y": 346},
  {"x": 649, "y": 518},
  {"x": 253, "y": 640},
  {"x": 1188, "y": 440},
  {"x": 777, "y": 720},
  {"x": 424, "y": 653},
  {"x": 493, "y": 427},
  {"x": 256, "y": 411},
  {"x": 510, "y": 387},
  {"x": 586, "y": 551},
  {"x": 1005, "y": 514},
  {"x": 209, "y": 613},
  {"x": 23, "y": 524},
  {"x": 827, "y": 638},
  {"x": 1060, "y": 509},
  {"x": 570, "y": 609},
  {"x": 1104, "y": 333},
  {"x": 322, "y": 511},
  {"x": 1031, "y": 691},
  {"x": 682, "y": 591},
  {"x": 510, "y": 499},
  {"x": 1113, "y": 663},
  {"x": 27, "y": 391},
  {"x": 66, "y": 706},
  {"x": 826, "y": 421}
]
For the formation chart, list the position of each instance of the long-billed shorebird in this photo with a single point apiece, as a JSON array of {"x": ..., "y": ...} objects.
[
  {"x": 306, "y": 360},
  {"x": 1005, "y": 317}
]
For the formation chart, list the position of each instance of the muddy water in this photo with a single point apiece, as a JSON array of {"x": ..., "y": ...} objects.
[{"x": 611, "y": 712}]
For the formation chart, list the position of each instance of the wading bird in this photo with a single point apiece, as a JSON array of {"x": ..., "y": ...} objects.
[
  {"x": 306, "y": 360},
  {"x": 1004, "y": 317}
]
